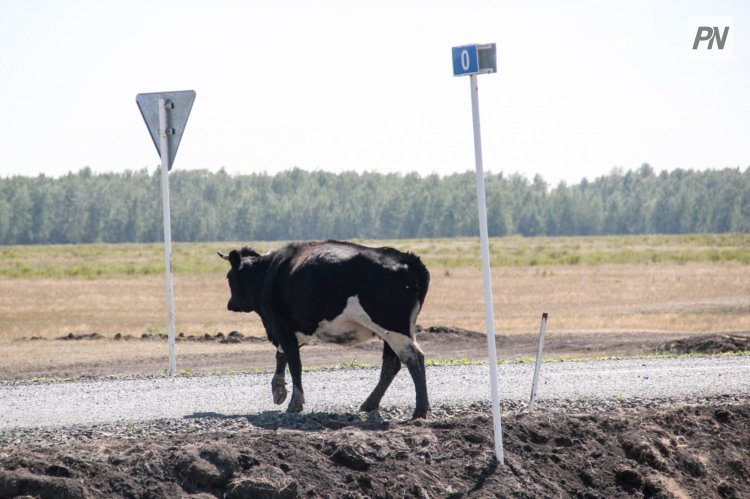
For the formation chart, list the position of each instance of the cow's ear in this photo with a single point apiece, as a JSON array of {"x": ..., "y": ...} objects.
[{"x": 235, "y": 259}]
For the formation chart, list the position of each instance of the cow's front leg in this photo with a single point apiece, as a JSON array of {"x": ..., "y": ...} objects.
[
  {"x": 291, "y": 349},
  {"x": 278, "y": 383}
]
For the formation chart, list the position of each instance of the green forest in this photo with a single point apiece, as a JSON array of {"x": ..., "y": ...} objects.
[{"x": 86, "y": 207}]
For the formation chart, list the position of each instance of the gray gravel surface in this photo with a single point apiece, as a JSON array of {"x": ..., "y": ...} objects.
[{"x": 192, "y": 400}]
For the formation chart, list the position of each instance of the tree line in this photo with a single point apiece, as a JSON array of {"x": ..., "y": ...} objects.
[{"x": 85, "y": 207}]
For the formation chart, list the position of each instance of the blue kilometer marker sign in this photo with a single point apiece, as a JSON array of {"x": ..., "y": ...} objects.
[
  {"x": 465, "y": 60},
  {"x": 475, "y": 59}
]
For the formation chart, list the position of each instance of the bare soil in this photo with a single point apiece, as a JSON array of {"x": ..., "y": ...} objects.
[
  {"x": 699, "y": 449},
  {"x": 234, "y": 351}
]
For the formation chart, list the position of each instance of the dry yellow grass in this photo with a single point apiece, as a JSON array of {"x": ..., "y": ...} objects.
[
  {"x": 692, "y": 297},
  {"x": 668, "y": 297}
]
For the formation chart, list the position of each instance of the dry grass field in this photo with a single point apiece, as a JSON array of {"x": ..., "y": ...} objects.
[{"x": 659, "y": 284}]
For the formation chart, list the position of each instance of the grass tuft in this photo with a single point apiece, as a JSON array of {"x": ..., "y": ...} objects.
[
  {"x": 354, "y": 364},
  {"x": 451, "y": 362}
]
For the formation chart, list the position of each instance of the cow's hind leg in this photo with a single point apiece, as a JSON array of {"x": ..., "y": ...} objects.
[
  {"x": 415, "y": 363},
  {"x": 278, "y": 383},
  {"x": 410, "y": 354},
  {"x": 291, "y": 349},
  {"x": 391, "y": 366}
]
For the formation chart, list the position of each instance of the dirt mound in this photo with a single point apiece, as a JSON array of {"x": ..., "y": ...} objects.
[
  {"x": 447, "y": 331},
  {"x": 232, "y": 337},
  {"x": 573, "y": 449},
  {"x": 77, "y": 337},
  {"x": 712, "y": 343},
  {"x": 220, "y": 337},
  {"x": 432, "y": 332}
]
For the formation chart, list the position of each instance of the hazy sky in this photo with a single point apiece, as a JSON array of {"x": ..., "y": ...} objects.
[{"x": 582, "y": 87}]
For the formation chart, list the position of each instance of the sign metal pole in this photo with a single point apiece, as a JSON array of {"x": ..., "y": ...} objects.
[
  {"x": 164, "y": 152},
  {"x": 486, "y": 273},
  {"x": 471, "y": 60}
]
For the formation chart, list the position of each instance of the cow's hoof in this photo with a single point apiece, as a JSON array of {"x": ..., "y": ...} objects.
[
  {"x": 420, "y": 413},
  {"x": 296, "y": 404},
  {"x": 278, "y": 389},
  {"x": 368, "y": 406}
]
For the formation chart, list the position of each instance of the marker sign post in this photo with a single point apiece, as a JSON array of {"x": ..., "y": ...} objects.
[
  {"x": 538, "y": 366},
  {"x": 472, "y": 60},
  {"x": 166, "y": 114}
]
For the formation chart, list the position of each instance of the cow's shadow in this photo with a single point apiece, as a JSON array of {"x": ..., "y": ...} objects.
[{"x": 305, "y": 421}]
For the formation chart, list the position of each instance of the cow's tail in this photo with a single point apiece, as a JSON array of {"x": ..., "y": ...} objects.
[{"x": 419, "y": 277}]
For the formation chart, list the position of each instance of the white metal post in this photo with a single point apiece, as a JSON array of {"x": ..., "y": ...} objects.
[
  {"x": 486, "y": 274},
  {"x": 538, "y": 367},
  {"x": 164, "y": 150}
]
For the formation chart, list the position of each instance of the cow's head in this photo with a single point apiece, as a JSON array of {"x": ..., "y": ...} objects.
[{"x": 240, "y": 279}]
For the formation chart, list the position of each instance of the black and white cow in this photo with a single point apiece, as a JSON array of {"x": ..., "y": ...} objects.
[{"x": 338, "y": 292}]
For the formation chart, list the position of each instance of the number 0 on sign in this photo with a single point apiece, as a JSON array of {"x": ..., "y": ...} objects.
[{"x": 465, "y": 60}]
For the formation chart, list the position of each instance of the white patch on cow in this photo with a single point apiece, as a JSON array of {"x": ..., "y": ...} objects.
[
  {"x": 353, "y": 325},
  {"x": 406, "y": 348},
  {"x": 399, "y": 266},
  {"x": 350, "y": 327}
]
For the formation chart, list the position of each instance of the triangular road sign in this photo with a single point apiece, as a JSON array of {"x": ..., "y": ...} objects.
[{"x": 177, "y": 116}]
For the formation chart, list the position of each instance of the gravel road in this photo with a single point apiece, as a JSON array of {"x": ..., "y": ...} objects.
[{"x": 28, "y": 404}]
